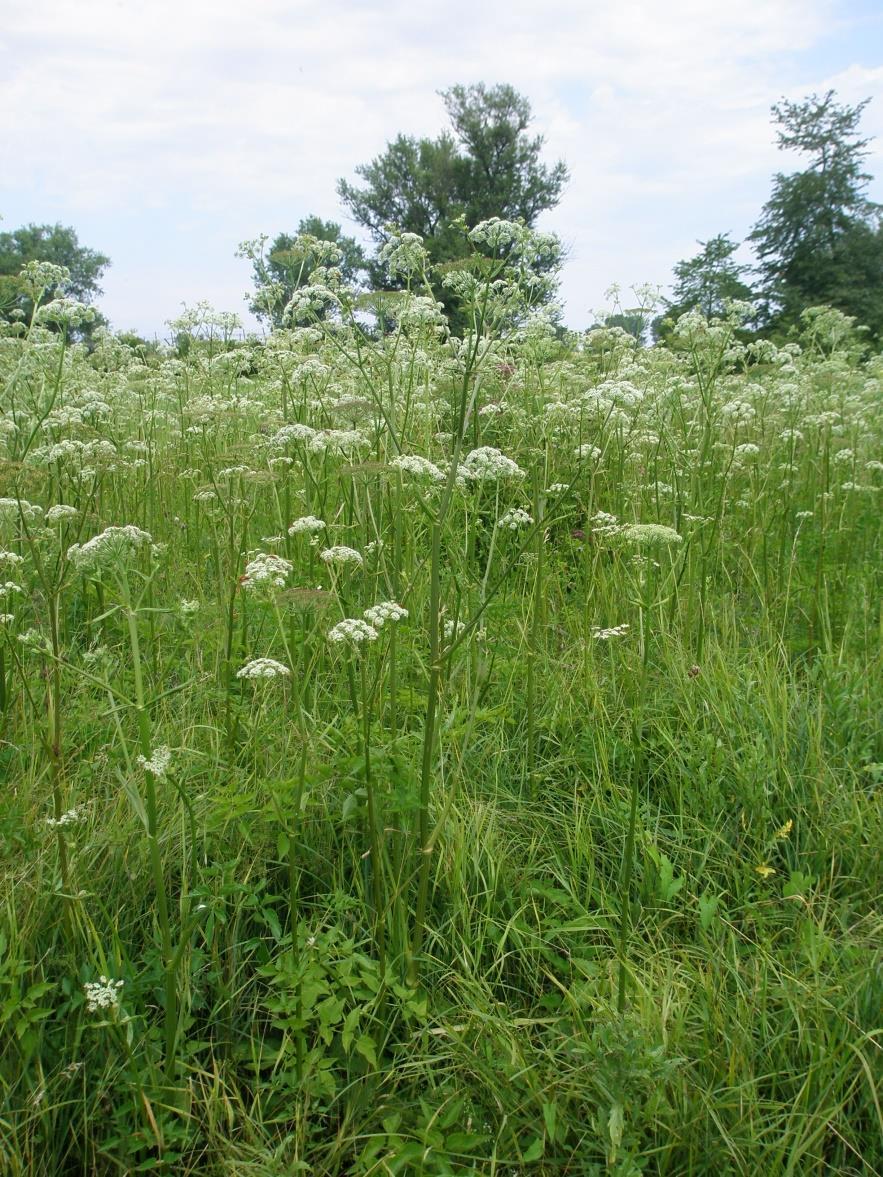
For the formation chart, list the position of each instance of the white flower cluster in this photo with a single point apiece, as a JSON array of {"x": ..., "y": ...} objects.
[
  {"x": 615, "y": 631},
  {"x": 266, "y": 570},
  {"x": 337, "y": 441},
  {"x": 453, "y": 629},
  {"x": 515, "y": 518},
  {"x": 404, "y": 255},
  {"x": 13, "y": 509},
  {"x": 102, "y": 994},
  {"x": 111, "y": 546},
  {"x": 71, "y": 818},
  {"x": 587, "y": 453},
  {"x": 342, "y": 555},
  {"x": 11, "y": 558},
  {"x": 188, "y": 608},
  {"x": 497, "y": 234},
  {"x": 263, "y": 668},
  {"x": 158, "y": 764},
  {"x": 650, "y": 535},
  {"x": 309, "y": 300},
  {"x": 60, "y": 512},
  {"x": 739, "y": 412},
  {"x": 378, "y": 615},
  {"x": 418, "y": 466},
  {"x": 289, "y": 433},
  {"x": 307, "y": 524},
  {"x": 353, "y": 631},
  {"x": 487, "y": 464}
]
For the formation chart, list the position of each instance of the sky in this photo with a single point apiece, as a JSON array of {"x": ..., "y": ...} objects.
[{"x": 167, "y": 132}]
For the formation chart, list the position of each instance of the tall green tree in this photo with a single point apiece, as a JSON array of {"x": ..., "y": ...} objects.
[
  {"x": 283, "y": 265},
  {"x": 818, "y": 239},
  {"x": 705, "y": 282},
  {"x": 58, "y": 244},
  {"x": 486, "y": 165}
]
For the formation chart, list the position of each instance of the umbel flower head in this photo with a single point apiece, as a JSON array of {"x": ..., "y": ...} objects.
[
  {"x": 265, "y": 571},
  {"x": 263, "y": 668},
  {"x": 487, "y": 464},
  {"x": 378, "y": 615},
  {"x": 113, "y": 546},
  {"x": 306, "y": 525},
  {"x": 352, "y": 631},
  {"x": 342, "y": 555},
  {"x": 102, "y": 994},
  {"x": 649, "y": 535}
]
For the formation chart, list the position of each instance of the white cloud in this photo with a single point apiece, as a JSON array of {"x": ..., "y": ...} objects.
[{"x": 212, "y": 121}]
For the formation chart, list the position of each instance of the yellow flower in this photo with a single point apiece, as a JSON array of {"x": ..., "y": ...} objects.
[
  {"x": 785, "y": 830},
  {"x": 765, "y": 871}
]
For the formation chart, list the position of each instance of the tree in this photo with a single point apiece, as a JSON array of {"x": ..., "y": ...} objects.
[
  {"x": 818, "y": 224},
  {"x": 57, "y": 244},
  {"x": 487, "y": 166},
  {"x": 278, "y": 270},
  {"x": 705, "y": 282}
]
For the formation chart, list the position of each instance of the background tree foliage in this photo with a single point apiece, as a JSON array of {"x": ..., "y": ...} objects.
[
  {"x": 486, "y": 166},
  {"x": 47, "y": 243},
  {"x": 706, "y": 281},
  {"x": 818, "y": 239},
  {"x": 287, "y": 263}
]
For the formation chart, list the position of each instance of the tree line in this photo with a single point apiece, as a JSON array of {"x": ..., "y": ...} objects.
[{"x": 818, "y": 239}]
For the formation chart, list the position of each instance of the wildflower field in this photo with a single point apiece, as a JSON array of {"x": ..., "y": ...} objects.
[{"x": 435, "y": 754}]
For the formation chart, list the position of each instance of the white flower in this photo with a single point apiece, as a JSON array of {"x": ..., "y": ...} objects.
[
  {"x": 12, "y": 509},
  {"x": 102, "y": 994},
  {"x": 263, "y": 668},
  {"x": 487, "y": 464},
  {"x": 337, "y": 441},
  {"x": 158, "y": 764},
  {"x": 378, "y": 615},
  {"x": 353, "y": 631},
  {"x": 306, "y": 524},
  {"x": 61, "y": 511},
  {"x": 650, "y": 535},
  {"x": 587, "y": 452},
  {"x": 11, "y": 558},
  {"x": 112, "y": 545},
  {"x": 418, "y": 466},
  {"x": 515, "y": 518},
  {"x": 615, "y": 631},
  {"x": 453, "y": 629},
  {"x": 10, "y": 587},
  {"x": 342, "y": 555},
  {"x": 71, "y": 818},
  {"x": 739, "y": 412},
  {"x": 266, "y": 571},
  {"x": 188, "y": 608}
]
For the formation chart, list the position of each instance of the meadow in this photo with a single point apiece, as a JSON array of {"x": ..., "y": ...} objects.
[{"x": 432, "y": 755}]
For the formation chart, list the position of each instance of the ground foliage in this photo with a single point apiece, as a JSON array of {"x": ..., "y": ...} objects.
[{"x": 567, "y": 865}]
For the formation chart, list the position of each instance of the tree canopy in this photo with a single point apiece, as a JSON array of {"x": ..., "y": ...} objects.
[
  {"x": 818, "y": 239},
  {"x": 285, "y": 264},
  {"x": 486, "y": 165},
  {"x": 57, "y": 244}
]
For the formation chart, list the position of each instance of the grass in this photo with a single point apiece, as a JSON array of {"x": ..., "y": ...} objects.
[{"x": 494, "y": 890}]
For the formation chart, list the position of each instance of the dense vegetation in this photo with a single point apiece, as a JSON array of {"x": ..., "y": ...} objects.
[{"x": 430, "y": 754}]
